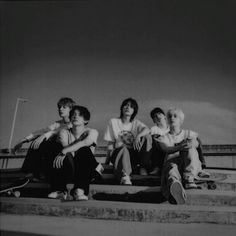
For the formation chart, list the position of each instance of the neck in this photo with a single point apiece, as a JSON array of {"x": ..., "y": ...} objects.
[
  {"x": 125, "y": 119},
  {"x": 78, "y": 130},
  {"x": 66, "y": 119},
  {"x": 162, "y": 126},
  {"x": 175, "y": 130}
]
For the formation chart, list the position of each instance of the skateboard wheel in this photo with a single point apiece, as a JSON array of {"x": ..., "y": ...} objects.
[
  {"x": 17, "y": 194},
  {"x": 212, "y": 186}
]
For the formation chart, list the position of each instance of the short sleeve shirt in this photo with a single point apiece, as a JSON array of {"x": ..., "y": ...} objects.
[
  {"x": 117, "y": 131},
  {"x": 67, "y": 137},
  {"x": 172, "y": 140}
]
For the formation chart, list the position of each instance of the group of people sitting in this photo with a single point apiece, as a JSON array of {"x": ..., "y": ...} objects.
[{"x": 64, "y": 151}]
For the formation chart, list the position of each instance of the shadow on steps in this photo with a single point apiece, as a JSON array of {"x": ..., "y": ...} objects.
[{"x": 141, "y": 197}]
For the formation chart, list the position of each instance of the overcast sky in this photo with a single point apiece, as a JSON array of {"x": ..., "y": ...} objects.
[{"x": 162, "y": 53}]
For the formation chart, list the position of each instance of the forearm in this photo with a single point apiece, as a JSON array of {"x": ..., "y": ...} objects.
[
  {"x": 170, "y": 149},
  {"x": 110, "y": 148},
  {"x": 36, "y": 134},
  {"x": 76, "y": 146},
  {"x": 144, "y": 132}
]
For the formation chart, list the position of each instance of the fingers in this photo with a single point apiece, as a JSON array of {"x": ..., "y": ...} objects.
[
  {"x": 37, "y": 142},
  {"x": 58, "y": 162}
]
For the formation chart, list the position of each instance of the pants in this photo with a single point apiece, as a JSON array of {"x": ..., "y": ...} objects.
[
  {"x": 172, "y": 170},
  {"x": 78, "y": 170},
  {"x": 157, "y": 156},
  {"x": 184, "y": 167},
  {"x": 125, "y": 159},
  {"x": 35, "y": 158}
]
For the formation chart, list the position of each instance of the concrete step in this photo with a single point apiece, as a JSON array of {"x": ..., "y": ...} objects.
[
  {"x": 143, "y": 212},
  {"x": 225, "y": 180},
  {"x": 143, "y": 194}
]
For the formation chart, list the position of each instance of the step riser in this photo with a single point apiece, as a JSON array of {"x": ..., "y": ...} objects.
[
  {"x": 223, "y": 161},
  {"x": 124, "y": 214},
  {"x": 192, "y": 199},
  {"x": 145, "y": 195}
]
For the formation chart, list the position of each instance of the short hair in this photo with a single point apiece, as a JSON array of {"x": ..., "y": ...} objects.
[
  {"x": 134, "y": 105},
  {"x": 83, "y": 111},
  {"x": 65, "y": 101},
  {"x": 178, "y": 111},
  {"x": 156, "y": 110}
]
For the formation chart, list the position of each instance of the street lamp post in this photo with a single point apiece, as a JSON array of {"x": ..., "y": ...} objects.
[{"x": 14, "y": 120}]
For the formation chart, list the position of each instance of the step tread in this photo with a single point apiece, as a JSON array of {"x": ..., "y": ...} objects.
[{"x": 116, "y": 204}]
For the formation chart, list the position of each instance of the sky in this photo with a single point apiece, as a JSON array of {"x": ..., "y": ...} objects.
[{"x": 100, "y": 52}]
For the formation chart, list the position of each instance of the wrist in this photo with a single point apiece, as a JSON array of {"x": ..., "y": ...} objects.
[
  {"x": 62, "y": 153},
  {"x": 25, "y": 140}
]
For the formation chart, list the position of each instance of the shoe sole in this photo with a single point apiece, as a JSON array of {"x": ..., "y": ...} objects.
[{"x": 177, "y": 192}]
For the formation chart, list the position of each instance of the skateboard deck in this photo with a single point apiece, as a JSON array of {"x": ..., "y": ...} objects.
[
  {"x": 209, "y": 182},
  {"x": 13, "y": 189}
]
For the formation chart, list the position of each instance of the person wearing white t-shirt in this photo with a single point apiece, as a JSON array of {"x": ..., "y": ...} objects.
[
  {"x": 181, "y": 159},
  {"x": 41, "y": 140},
  {"x": 161, "y": 128},
  {"x": 75, "y": 162},
  {"x": 129, "y": 144}
]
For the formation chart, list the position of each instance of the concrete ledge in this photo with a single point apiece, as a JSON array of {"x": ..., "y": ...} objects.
[{"x": 121, "y": 211}]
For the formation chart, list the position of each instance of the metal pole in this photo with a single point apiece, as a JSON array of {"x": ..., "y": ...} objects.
[{"x": 14, "y": 120}]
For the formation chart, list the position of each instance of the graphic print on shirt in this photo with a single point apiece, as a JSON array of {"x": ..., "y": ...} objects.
[{"x": 127, "y": 138}]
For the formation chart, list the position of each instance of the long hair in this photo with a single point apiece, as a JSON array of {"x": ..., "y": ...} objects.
[{"x": 133, "y": 104}]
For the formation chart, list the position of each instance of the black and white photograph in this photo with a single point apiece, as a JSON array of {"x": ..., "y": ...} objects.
[{"x": 117, "y": 117}]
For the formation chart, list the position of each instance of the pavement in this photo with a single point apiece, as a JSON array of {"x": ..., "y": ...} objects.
[{"x": 29, "y": 225}]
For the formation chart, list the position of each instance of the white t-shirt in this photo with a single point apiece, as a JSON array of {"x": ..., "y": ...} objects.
[
  {"x": 66, "y": 137},
  {"x": 157, "y": 131},
  {"x": 171, "y": 140},
  {"x": 121, "y": 133}
]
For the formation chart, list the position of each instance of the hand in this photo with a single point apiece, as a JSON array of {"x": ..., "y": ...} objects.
[
  {"x": 58, "y": 162},
  {"x": 17, "y": 147},
  {"x": 36, "y": 143},
  {"x": 188, "y": 143},
  {"x": 137, "y": 143}
]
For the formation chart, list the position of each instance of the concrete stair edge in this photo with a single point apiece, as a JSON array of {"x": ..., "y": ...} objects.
[{"x": 121, "y": 211}]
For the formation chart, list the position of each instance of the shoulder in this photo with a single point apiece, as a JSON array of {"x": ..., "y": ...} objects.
[
  {"x": 139, "y": 124},
  {"x": 155, "y": 130},
  {"x": 92, "y": 131},
  {"x": 55, "y": 124},
  {"x": 114, "y": 120},
  {"x": 191, "y": 133},
  {"x": 64, "y": 132}
]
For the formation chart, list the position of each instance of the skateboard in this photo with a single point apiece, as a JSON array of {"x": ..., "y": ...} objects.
[
  {"x": 13, "y": 189},
  {"x": 209, "y": 182}
]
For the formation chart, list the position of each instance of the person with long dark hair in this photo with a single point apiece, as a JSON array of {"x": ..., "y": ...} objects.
[{"x": 129, "y": 142}]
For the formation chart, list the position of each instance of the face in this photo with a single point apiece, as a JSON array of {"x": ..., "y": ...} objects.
[
  {"x": 159, "y": 119},
  {"x": 127, "y": 109},
  {"x": 174, "y": 119},
  {"x": 77, "y": 119},
  {"x": 63, "y": 110}
]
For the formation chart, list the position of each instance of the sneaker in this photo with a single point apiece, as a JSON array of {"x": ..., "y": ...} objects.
[
  {"x": 155, "y": 171},
  {"x": 80, "y": 196},
  {"x": 125, "y": 180},
  {"x": 99, "y": 169},
  {"x": 143, "y": 172},
  {"x": 190, "y": 185},
  {"x": 177, "y": 192},
  {"x": 203, "y": 174},
  {"x": 70, "y": 190},
  {"x": 57, "y": 195}
]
